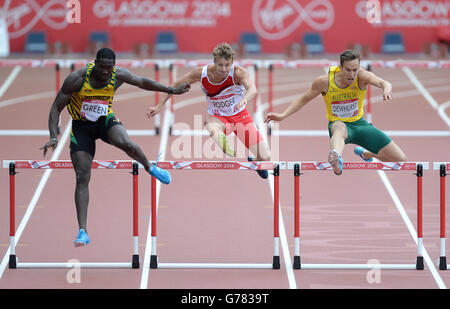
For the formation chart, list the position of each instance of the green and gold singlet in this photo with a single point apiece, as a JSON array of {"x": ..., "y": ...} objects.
[
  {"x": 345, "y": 104},
  {"x": 90, "y": 103}
]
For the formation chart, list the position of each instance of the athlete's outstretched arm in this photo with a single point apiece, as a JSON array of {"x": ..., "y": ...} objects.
[
  {"x": 72, "y": 83},
  {"x": 242, "y": 77},
  {"x": 125, "y": 76},
  {"x": 187, "y": 79},
  {"x": 318, "y": 86},
  {"x": 367, "y": 77}
]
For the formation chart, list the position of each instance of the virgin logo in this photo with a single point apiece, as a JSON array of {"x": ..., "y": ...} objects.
[
  {"x": 23, "y": 17},
  {"x": 276, "y": 19}
]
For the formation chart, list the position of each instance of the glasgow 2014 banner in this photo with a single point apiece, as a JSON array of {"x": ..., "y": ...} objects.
[{"x": 200, "y": 24}]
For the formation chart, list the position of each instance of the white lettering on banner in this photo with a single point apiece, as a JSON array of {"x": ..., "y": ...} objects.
[
  {"x": 162, "y": 13},
  {"x": 53, "y": 13},
  {"x": 63, "y": 164},
  {"x": 214, "y": 165},
  {"x": 279, "y": 18},
  {"x": 411, "y": 13}
]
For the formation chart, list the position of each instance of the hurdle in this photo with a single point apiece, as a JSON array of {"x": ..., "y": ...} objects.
[
  {"x": 67, "y": 164},
  {"x": 218, "y": 165},
  {"x": 391, "y": 166},
  {"x": 443, "y": 167}
]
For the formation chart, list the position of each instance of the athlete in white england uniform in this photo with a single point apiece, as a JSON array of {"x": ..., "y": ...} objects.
[{"x": 228, "y": 88}]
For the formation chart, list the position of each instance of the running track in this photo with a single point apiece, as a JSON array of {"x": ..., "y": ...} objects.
[{"x": 224, "y": 216}]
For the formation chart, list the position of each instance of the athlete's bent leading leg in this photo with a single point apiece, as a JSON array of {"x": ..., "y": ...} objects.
[
  {"x": 117, "y": 136},
  {"x": 262, "y": 154},
  {"x": 261, "y": 150},
  {"x": 252, "y": 139},
  {"x": 337, "y": 142},
  {"x": 216, "y": 130}
]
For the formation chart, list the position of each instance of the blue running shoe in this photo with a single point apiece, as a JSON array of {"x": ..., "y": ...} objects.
[
  {"x": 160, "y": 174},
  {"x": 336, "y": 162},
  {"x": 262, "y": 173},
  {"x": 359, "y": 151},
  {"x": 82, "y": 239}
]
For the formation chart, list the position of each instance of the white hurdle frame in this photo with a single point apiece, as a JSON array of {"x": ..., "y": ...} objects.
[
  {"x": 393, "y": 166},
  {"x": 67, "y": 164},
  {"x": 442, "y": 167},
  {"x": 218, "y": 165}
]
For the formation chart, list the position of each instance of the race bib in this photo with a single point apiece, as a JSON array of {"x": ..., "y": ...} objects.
[
  {"x": 226, "y": 103},
  {"x": 94, "y": 109},
  {"x": 345, "y": 109}
]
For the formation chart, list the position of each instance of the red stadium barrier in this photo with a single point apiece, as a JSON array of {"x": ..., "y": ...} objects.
[{"x": 277, "y": 23}]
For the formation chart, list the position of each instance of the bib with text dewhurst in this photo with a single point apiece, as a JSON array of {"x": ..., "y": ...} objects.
[{"x": 345, "y": 109}]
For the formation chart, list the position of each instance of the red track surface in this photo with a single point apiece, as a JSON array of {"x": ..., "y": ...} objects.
[{"x": 226, "y": 216}]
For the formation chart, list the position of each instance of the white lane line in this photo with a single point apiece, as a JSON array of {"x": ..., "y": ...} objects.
[
  {"x": 148, "y": 245},
  {"x": 45, "y": 132},
  {"x": 27, "y": 98},
  {"x": 374, "y": 98},
  {"x": 420, "y": 87},
  {"x": 401, "y": 133},
  {"x": 411, "y": 228},
  {"x": 443, "y": 114},
  {"x": 259, "y": 120},
  {"x": 37, "y": 194},
  {"x": 284, "y": 243},
  {"x": 426, "y": 94},
  {"x": 12, "y": 76},
  {"x": 51, "y": 94}
]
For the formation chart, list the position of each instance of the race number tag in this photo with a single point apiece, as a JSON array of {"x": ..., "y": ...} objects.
[
  {"x": 227, "y": 102},
  {"x": 345, "y": 109},
  {"x": 94, "y": 109}
]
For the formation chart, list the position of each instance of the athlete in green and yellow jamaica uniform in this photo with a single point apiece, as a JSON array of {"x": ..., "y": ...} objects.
[{"x": 88, "y": 94}]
